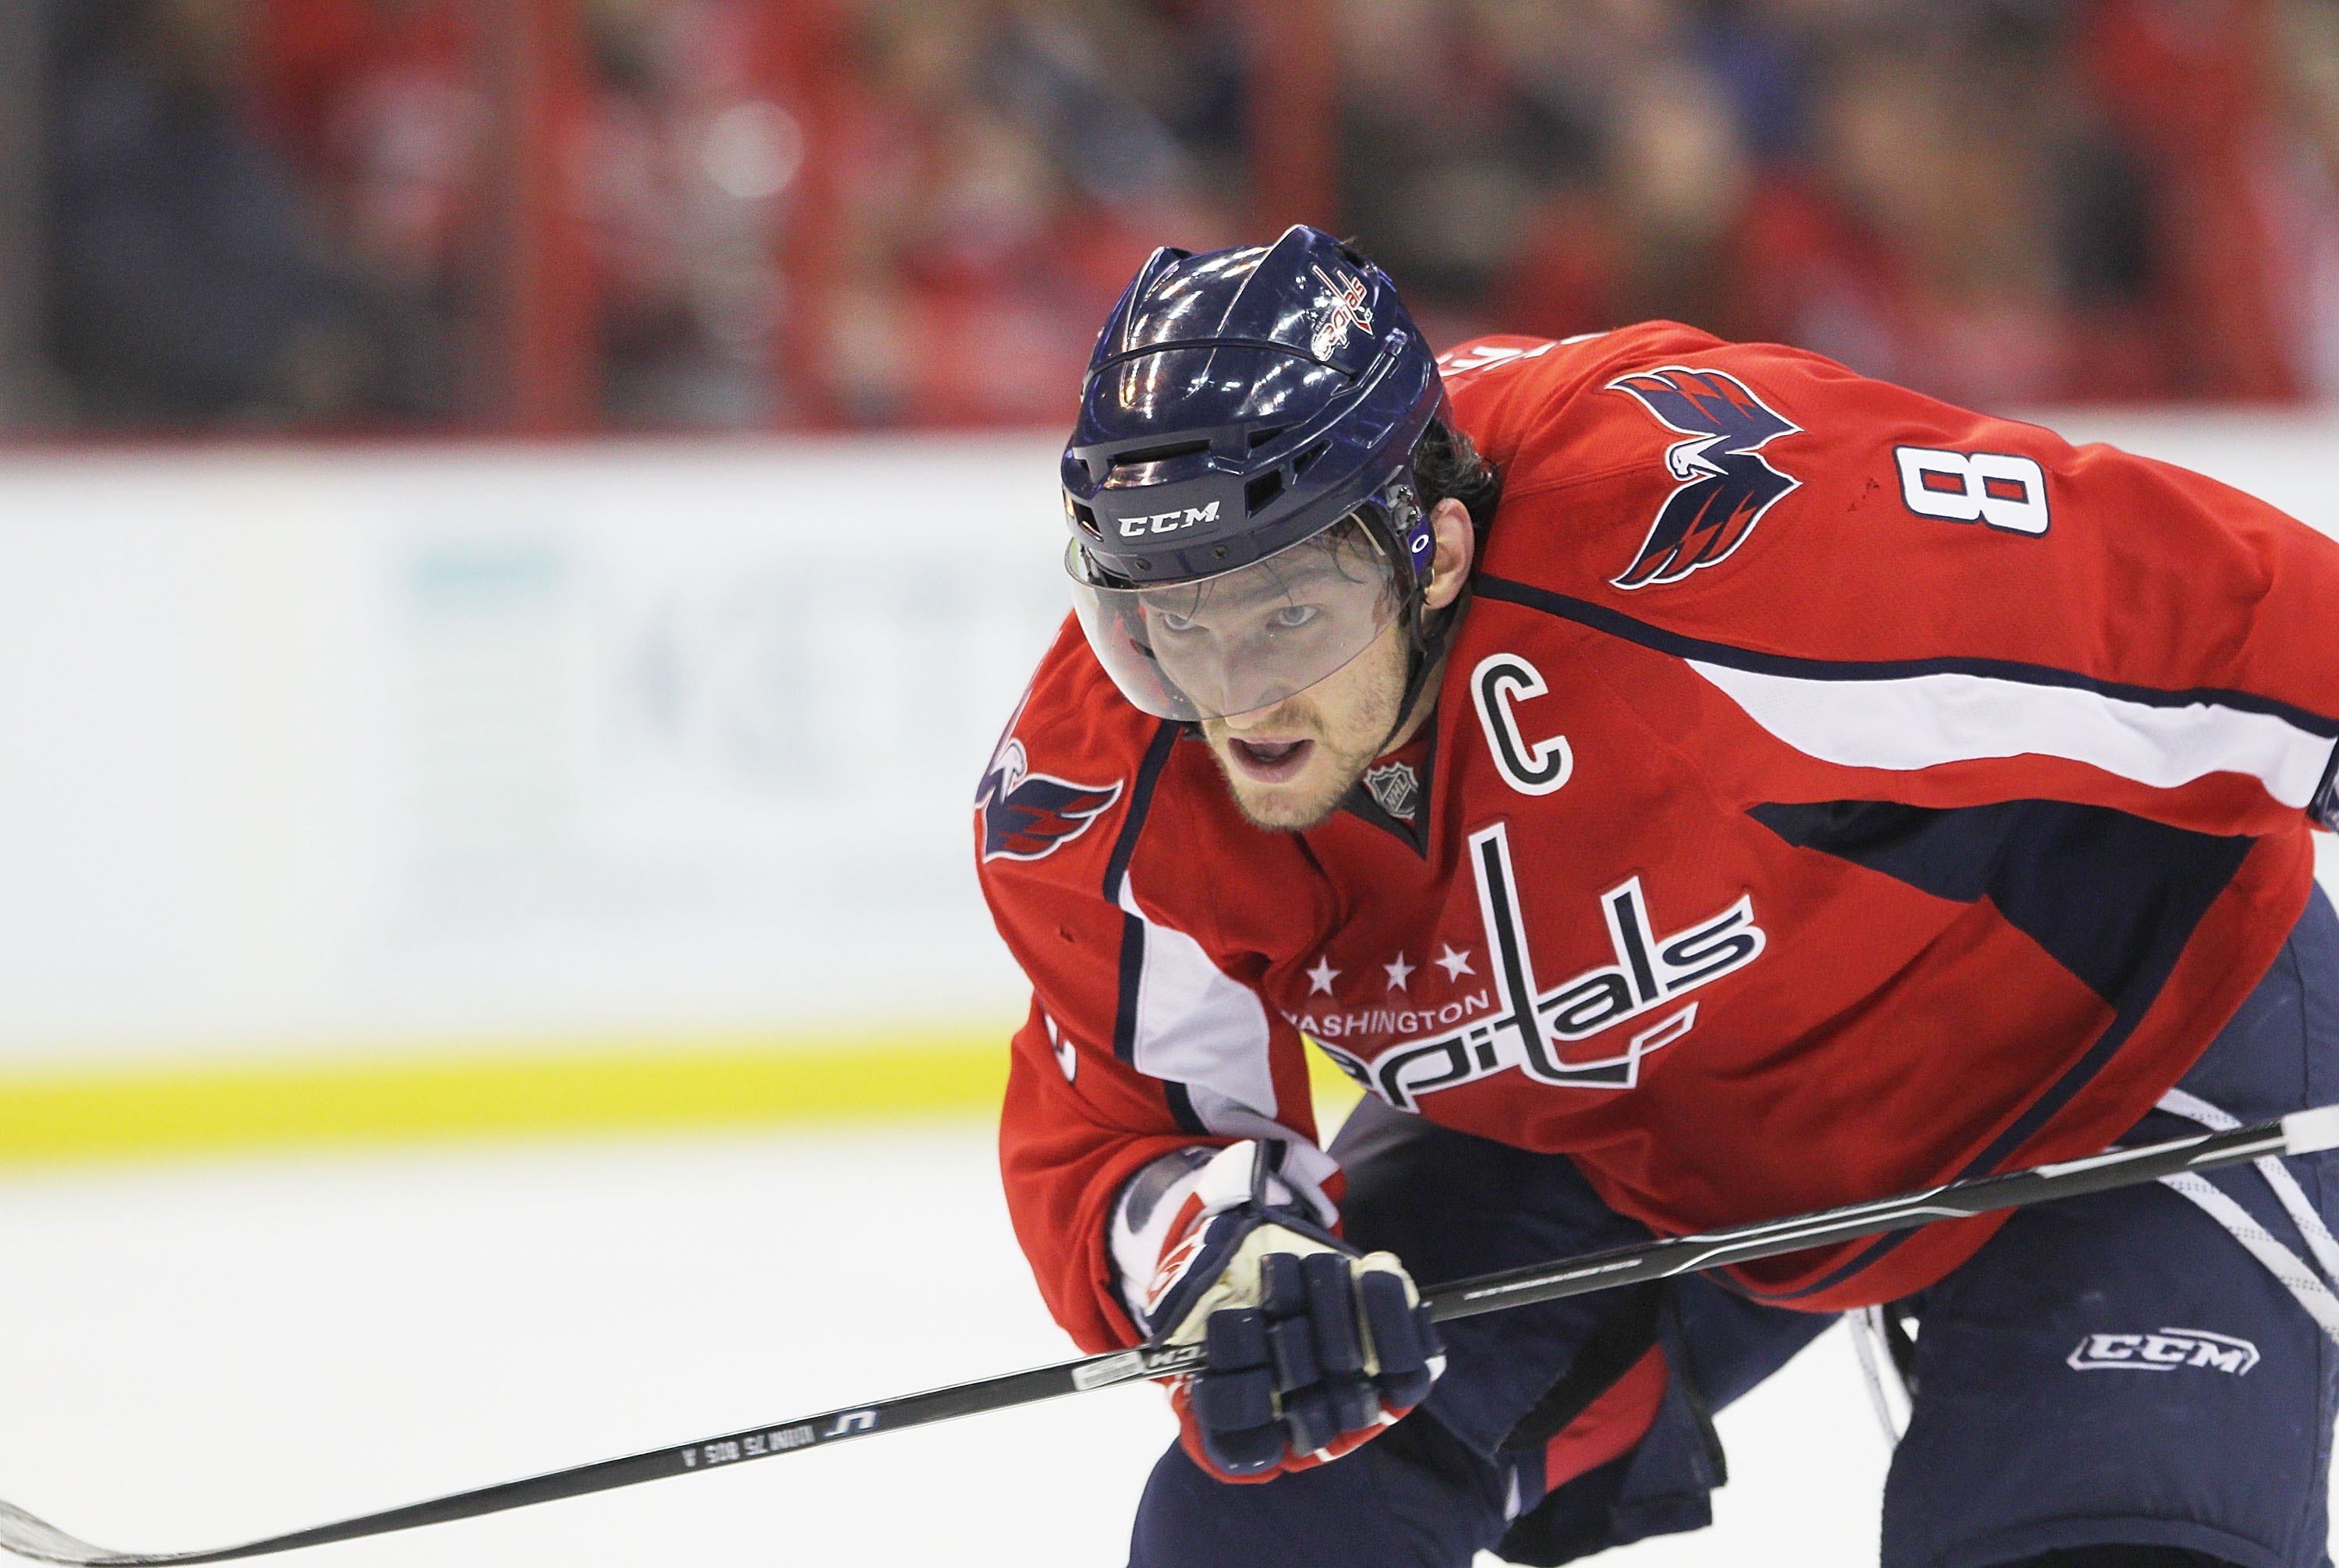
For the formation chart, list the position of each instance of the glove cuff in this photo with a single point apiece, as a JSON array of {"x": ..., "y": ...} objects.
[{"x": 1167, "y": 1204}]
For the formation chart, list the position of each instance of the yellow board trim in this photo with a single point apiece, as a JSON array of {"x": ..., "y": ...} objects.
[{"x": 62, "y": 1115}]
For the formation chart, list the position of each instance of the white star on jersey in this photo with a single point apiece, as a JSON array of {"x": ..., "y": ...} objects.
[
  {"x": 1398, "y": 972},
  {"x": 1321, "y": 977},
  {"x": 1454, "y": 965}
]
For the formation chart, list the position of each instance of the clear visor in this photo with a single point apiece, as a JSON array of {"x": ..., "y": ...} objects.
[{"x": 1244, "y": 640}]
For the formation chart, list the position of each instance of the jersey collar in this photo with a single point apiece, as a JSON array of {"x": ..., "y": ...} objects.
[{"x": 1392, "y": 795}]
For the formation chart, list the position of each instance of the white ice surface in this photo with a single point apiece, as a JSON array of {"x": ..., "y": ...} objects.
[{"x": 196, "y": 1355}]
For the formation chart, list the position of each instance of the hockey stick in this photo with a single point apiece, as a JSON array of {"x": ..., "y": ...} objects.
[{"x": 2304, "y": 1133}]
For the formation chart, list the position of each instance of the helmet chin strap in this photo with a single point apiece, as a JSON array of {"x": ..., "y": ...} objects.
[
  {"x": 1426, "y": 649},
  {"x": 1428, "y": 633}
]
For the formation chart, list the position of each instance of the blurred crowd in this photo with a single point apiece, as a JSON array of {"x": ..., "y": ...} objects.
[{"x": 769, "y": 213}]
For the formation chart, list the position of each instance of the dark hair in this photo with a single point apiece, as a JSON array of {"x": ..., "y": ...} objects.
[{"x": 1447, "y": 467}]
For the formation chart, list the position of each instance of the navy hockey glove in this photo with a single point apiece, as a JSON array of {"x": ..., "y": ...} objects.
[{"x": 1314, "y": 1348}]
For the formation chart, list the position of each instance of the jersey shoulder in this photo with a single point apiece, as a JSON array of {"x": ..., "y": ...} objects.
[
  {"x": 1063, "y": 774},
  {"x": 1089, "y": 807},
  {"x": 1662, "y": 458},
  {"x": 1508, "y": 391}
]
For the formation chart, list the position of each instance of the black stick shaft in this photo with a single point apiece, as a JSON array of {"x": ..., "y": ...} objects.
[
  {"x": 1953, "y": 1200},
  {"x": 28, "y": 1536},
  {"x": 2305, "y": 1132}
]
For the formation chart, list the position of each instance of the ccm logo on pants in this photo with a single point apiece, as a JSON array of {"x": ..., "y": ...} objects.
[{"x": 2164, "y": 1352}]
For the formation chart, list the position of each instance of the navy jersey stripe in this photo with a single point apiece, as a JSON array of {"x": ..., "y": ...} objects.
[
  {"x": 1141, "y": 801},
  {"x": 1132, "y": 976},
  {"x": 2102, "y": 891},
  {"x": 2113, "y": 898},
  {"x": 1133, "y": 929},
  {"x": 1615, "y": 623},
  {"x": 1182, "y": 1108}
]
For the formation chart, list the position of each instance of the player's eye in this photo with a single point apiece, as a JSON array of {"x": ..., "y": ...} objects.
[
  {"x": 1171, "y": 621},
  {"x": 1291, "y": 617}
]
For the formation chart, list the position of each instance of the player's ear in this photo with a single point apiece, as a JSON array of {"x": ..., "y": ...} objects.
[{"x": 1456, "y": 542}]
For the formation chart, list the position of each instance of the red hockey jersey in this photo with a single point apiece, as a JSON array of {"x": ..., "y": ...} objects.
[{"x": 1830, "y": 793}]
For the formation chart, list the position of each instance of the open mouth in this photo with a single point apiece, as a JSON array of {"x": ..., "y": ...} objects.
[{"x": 1270, "y": 761}]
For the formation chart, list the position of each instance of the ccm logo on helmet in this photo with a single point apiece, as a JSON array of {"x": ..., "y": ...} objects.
[
  {"x": 2164, "y": 1352},
  {"x": 1168, "y": 522}
]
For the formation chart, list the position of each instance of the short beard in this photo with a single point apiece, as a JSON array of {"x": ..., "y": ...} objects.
[
  {"x": 1298, "y": 814},
  {"x": 1374, "y": 701}
]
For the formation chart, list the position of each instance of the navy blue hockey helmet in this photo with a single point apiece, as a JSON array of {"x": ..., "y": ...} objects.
[{"x": 1241, "y": 407}]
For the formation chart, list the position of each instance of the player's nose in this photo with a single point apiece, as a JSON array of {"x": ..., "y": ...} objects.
[
  {"x": 1272, "y": 713},
  {"x": 1244, "y": 695}
]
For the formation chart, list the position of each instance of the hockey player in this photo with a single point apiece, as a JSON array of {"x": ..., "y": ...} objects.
[{"x": 1683, "y": 782}]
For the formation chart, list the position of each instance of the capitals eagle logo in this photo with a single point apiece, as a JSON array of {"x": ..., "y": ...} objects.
[
  {"x": 1030, "y": 817},
  {"x": 1725, "y": 483}
]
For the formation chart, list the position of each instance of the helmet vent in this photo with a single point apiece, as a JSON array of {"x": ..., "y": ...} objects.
[
  {"x": 1262, "y": 489},
  {"x": 1261, "y": 438},
  {"x": 1131, "y": 458},
  {"x": 1087, "y": 520},
  {"x": 1308, "y": 460}
]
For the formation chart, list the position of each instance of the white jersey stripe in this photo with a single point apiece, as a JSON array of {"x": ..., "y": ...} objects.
[
  {"x": 1911, "y": 722},
  {"x": 1196, "y": 1026}
]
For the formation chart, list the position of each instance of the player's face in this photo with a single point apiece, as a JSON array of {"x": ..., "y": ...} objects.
[
  {"x": 1248, "y": 641},
  {"x": 1289, "y": 764},
  {"x": 1289, "y": 761}
]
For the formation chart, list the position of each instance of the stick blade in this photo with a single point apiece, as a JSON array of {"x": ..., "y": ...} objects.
[
  {"x": 28, "y": 1536},
  {"x": 2312, "y": 1131}
]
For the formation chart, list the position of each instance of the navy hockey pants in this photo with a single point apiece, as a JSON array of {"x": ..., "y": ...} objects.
[{"x": 2116, "y": 1368}]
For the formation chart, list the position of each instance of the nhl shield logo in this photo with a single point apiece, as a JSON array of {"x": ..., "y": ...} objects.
[{"x": 1396, "y": 788}]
